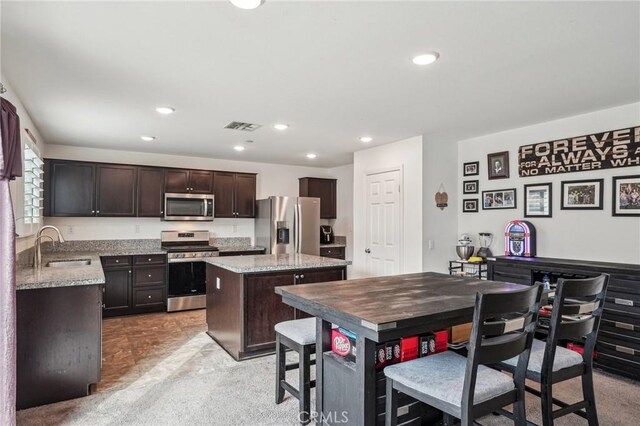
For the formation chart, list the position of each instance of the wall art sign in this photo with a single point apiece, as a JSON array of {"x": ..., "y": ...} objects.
[
  {"x": 581, "y": 194},
  {"x": 605, "y": 150},
  {"x": 626, "y": 195}
]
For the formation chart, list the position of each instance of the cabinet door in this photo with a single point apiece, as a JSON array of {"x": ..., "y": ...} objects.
[
  {"x": 245, "y": 195},
  {"x": 117, "y": 287},
  {"x": 318, "y": 276},
  {"x": 116, "y": 190},
  {"x": 264, "y": 308},
  {"x": 72, "y": 189},
  {"x": 223, "y": 183},
  {"x": 176, "y": 181},
  {"x": 150, "y": 191},
  {"x": 325, "y": 189},
  {"x": 201, "y": 182}
]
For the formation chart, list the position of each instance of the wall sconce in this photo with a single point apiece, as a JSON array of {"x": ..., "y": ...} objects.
[{"x": 441, "y": 198}]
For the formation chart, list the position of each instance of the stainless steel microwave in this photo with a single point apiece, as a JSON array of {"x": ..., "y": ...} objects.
[{"x": 188, "y": 206}]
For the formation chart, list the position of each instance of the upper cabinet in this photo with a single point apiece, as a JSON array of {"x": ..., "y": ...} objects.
[
  {"x": 235, "y": 194},
  {"x": 69, "y": 188},
  {"x": 75, "y": 188},
  {"x": 150, "y": 189},
  {"x": 188, "y": 181},
  {"x": 325, "y": 189}
]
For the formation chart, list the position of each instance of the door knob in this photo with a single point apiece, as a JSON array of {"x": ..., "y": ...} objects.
[{"x": 367, "y": 251}]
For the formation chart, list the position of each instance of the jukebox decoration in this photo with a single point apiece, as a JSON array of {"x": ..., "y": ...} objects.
[{"x": 520, "y": 239}]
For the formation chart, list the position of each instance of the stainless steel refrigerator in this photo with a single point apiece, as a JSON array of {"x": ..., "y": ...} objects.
[{"x": 289, "y": 225}]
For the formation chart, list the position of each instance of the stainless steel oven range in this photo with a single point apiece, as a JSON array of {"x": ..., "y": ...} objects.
[{"x": 187, "y": 275}]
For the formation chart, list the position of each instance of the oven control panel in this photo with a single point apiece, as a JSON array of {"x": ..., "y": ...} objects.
[{"x": 190, "y": 256}]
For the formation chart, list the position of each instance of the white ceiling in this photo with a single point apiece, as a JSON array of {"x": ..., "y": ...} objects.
[{"x": 91, "y": 73}]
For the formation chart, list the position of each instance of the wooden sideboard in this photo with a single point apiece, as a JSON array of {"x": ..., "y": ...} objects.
[{"x": 618, "y": 344}]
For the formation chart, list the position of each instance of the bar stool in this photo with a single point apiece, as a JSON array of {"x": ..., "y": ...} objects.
[
  {"x": 300, "y": 336},
  {"x": 551, "y": 363},
  {"x": 465, "y": 388}
]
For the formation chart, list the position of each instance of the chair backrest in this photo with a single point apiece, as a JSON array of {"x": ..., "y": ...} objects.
[
  {"x": 503, "y": 327},
  {"x": 577, "y": 309}
]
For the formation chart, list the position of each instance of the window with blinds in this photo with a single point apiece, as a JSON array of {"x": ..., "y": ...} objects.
[{"x": 33, "y": 185}]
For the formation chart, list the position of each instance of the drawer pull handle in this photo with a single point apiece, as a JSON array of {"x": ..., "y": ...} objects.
[
  {"x": 625, "y": 350},
  {"x": 149, "y": 259},
  {"x": 624, "y": 326},
  {"x": 117, "y": 261},
  {"x": 625, "y": 302},
  {"x": 149, "y": 297}
]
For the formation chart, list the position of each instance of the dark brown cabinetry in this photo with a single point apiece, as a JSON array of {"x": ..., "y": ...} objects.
[
  {"x": 116, "y": 190},
  {"x": 192, "y": 181},
  {"x": 242, "y": 309},
  {"x": 333, "y": 252},
  {"x": 134, "y": 284},
  {"x": 235, "y": 194},
  {"x": 150, "y": 190},
  {"x": 325, "y": 189},
  {"x": 618, "y": 343},
  {"x": 70, "y": 188}
]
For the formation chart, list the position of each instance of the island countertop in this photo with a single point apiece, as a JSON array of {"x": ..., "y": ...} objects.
[{"x": 274, "y": 262}]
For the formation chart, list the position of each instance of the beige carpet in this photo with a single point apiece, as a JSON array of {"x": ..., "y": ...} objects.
[{"x": 192, "y": 381}]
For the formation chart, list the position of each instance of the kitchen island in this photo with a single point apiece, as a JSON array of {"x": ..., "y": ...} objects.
[
  {"x": 379, "y": 310},
  {"x": 242, "y": 306}
]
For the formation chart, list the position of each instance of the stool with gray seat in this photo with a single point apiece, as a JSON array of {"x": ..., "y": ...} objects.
[
  {"x": 577, "y": 308},
  {"x": 465, "y": 388},
  {"x": 300, "y": 336}
]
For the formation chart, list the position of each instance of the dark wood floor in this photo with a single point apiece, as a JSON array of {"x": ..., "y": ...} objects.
[{"x": 133, "y": 345}]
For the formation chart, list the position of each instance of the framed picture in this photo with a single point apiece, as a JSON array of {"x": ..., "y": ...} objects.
[
  {"x": 499, "y": 199},
  {"x": 538, "y": 200},
  {"x": 581, "y": 194},
  {"x": 626, "y": 195},
  {"x": 471, "y": 169},
  {"x": 470, "y": 187},
  {"x": 470, "y": 205},
  {"x": 498, "y": 164}
]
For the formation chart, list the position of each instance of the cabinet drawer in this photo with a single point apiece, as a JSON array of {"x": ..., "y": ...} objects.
[
  {"x": 624, "y": 302},
  {"x": 334, "y": 252},
  {"x": 113, "y": 261},
  {"x": 149, "y": 259},
  {"x": 148, "y": 296},
  {"x": 149, "y": 275},
  {"x": 620, "y": 323},
  {"x": 619, "y": 365}
]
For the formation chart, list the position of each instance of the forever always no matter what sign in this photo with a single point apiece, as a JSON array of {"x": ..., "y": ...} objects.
[{"x": 605, "y": 150}]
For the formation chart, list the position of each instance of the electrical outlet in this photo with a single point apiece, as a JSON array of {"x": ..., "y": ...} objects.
[
  {"x": 69, "y": 229},
  {"x": 136, "y": 229},
  {"x": 235, "y": 228},
  {"x": 430, "y": 244}
]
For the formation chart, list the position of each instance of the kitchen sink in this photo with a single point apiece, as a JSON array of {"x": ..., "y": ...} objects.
[{"x": 68, "y": 262}]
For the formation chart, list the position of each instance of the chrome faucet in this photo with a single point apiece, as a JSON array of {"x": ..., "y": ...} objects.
[{"x": 37, "y": 255}]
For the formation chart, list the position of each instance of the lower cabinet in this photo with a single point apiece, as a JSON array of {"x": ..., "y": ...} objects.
[
  {"x": 243, "y": 309},
  {"x": 134, "y": 284}
]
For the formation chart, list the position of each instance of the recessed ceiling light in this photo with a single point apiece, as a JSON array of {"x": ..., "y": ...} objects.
[
  {"x": 246, "y": 4},
  {"x": 148, "y": 138},
  {"x": 366, "y": 139},
  {"x": 311, "y": 155},
  {"x": 426, "y": 59},
  {"x": 280, "y": 126},
  {"x": 166, "y": 110},
  {"x": 239, "y": 148}
]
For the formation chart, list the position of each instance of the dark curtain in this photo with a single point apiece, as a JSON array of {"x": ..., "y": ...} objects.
[{"x": 11, "y": 147}]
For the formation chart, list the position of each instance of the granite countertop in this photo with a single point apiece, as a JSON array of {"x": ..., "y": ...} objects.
[
  {"x": 240, "y": 248},
  {"x": 274, "y": 262},
  {"x": 28, "y": 278},
  {"x": 332, "y": 245}
]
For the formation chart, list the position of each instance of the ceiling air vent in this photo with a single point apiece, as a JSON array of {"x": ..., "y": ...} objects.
[{"x": 238, "y": 125}]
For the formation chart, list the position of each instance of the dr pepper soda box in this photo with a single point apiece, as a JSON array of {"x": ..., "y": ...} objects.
[{"x": 343, "y": 343}]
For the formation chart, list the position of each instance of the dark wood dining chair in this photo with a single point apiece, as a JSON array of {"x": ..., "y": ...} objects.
[
  {"x": 577, "y": 308},
  {"x": 465, "y": 388}
]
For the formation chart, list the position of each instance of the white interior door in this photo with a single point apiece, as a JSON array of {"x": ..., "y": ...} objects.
[{"x": 384, "y": 224}]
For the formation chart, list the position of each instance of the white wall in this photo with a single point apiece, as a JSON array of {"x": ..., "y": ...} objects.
[
  {"x": 343, "y": 225},
  {"x": 272, "y": 179},
  {"x": 440, "y": 227},
  {"x": 586, "y": 235},
  {"x": 17, "y": 186},
  {"x": 407, "y": 154}
]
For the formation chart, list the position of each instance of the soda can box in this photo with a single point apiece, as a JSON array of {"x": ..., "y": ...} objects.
[
  {"x": 381, "y": 356},
  {"x": 427, "y": 345},
  {"x": 393, "y": 352},
  {"x": 442, "y": 338},
  {"x": 408, "y": 348},
  {"x": 343, "y": 345}
]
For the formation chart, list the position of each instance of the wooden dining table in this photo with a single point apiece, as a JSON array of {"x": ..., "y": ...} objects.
[{"x": 377, "y": 310}]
